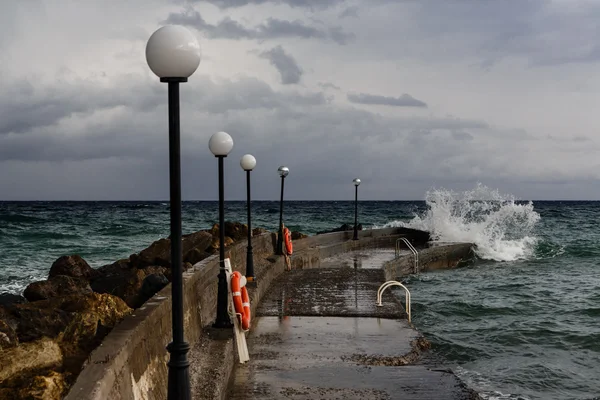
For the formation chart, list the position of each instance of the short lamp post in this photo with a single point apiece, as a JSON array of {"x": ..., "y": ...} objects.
[
  {"x": 248, "y": 162},
  {"x": 173, "y": 54},
  {"x": 283, "y": 172},
  {"x": 356, "y": 184},
  {"x": 220, "y": 144}
]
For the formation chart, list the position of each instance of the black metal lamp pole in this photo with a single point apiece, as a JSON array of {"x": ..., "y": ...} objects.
[
  {"x": 221, "y": 144},
  {"x": 356, "y": 183},
  {"x": 283, "y": 172},
  {"x": 249, "y": 255},
  {"x": 248, "y": 162},
  {"x": 173, "y": 54},
  {"x": 179, "y": 378}
]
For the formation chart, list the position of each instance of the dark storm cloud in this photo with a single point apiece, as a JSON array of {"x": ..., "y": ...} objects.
[
  {"x": 272, "y": 28},
  {"x": 23, "y": 107},
  {"x": 41, "y": 120},
  {"x": 285, "y": 63},
  {"x": 310, "y": 4},
  {"x": 405, "y": 100}
]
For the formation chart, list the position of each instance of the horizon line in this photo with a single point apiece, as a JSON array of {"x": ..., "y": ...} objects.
[{"x": 253, "y": 200}]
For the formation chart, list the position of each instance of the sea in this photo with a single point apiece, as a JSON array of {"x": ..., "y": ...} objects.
[{"x": 521, "y": 322}]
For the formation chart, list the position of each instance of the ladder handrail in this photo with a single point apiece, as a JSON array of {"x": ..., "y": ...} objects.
[
  {"x": 388, "y": 284},
  {"x": 411, "y": 248}
]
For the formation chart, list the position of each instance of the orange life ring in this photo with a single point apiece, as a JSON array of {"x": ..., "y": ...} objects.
[
  {"x": 241, "y": 300},
  {"x": 287, "y": 235}
]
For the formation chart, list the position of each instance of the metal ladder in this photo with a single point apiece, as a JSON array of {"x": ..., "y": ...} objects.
[
  {"x": 389, "y": 284},
  {"x": 412, "y": 249}
]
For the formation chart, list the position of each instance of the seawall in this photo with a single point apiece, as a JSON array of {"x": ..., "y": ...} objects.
[{"x": 131, "y": 361}]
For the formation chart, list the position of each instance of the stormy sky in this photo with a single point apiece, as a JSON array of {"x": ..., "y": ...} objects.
[{"x": 406, "y": 95}]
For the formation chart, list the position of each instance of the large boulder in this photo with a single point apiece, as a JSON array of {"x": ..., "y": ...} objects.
[
  {"x": 40, "y": 319},
  {"x": 50, "y": 386},
  {"x": 8, "y": 336},
  {"x": 298, "y": 235},
  {"x": 73, "y": 266},
  {"x": 59, "y": 285},
  {"x": 8, "y": 299},
  {"x": 115, "y": 268},
  {"x": 258, "y": 231},
  {"x": 236, "y": 230},
  {"x": 21, "y": 361},
  {"x": 195, "y": 245},
  {"x": 151, "y": 285},
  {"x": 50, "y": 318},
  {"x": 196, "y": 255},
  {"x": 127, "y": 283},
  {"x": 92, "y": 317},
  {"x": 159, "y": 252},
  {"x": 216, "y": 243}
]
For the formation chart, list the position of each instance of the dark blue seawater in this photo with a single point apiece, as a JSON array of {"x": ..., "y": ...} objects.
[{"x": 522, "y": 322}]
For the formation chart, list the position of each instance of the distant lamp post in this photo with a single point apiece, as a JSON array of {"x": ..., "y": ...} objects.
[
  {"x": 356, "y": 184},
  {"x": 220, "y": 144},
  {"x": 283, "y": 172},
  {"x": 173, "y": 54},
  {"x": 248, "y": 162}
]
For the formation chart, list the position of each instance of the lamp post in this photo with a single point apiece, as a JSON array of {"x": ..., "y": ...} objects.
[
  {"x": 248, "y": 162},
  {"x": 220, "y": 144},
  {"x": 356, "y": 184},
  {"x": 173, "y": 54},
  {"x": 283, "y": 172}
]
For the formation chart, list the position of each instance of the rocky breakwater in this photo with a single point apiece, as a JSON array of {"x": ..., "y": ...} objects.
[{"x": 47, "y": 334}]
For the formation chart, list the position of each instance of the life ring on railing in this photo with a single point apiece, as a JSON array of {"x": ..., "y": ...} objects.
[
  {"x": 241, "y": 300},
  {"x": 287, "y": 235}
]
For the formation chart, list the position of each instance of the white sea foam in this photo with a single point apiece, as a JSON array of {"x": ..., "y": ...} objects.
[{"x": 501, "y": 228}]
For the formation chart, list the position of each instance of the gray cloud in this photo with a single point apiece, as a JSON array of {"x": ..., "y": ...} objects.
[
  {"x": 79, "y": 123},
  {"x": 350, "y": 12},
  {"x": 405, "y": 100},
  {"x": 285, "y": 63},
  {"x": 329, "y": 85},
  {"x": 310, "y": 4},
  {"x": 272, "y": 28}
]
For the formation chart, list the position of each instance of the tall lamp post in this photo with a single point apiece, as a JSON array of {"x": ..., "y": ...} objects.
[
  {"x": 248, "y": 162},
  {"x": 220, "y": 144},
  {"x": 356, "y": 184},
  {"x": 173, "y": 54},
  {"x": 283, "y": 172}
]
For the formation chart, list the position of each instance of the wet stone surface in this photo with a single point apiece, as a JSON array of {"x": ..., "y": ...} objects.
[
  {"x": 348, "y": 292},
  {"x": 336, "y": 358},
  {"x": 361, "y": 259},
  {"x": 320, "y": 335}
]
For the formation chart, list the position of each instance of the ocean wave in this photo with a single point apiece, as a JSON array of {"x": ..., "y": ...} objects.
[{"x": 500, "y": 227}]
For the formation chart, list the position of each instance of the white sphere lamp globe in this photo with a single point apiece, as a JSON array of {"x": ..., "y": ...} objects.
[
  {"x": 248, "y": 162},
  {"x": 173, "y": 52},
  {"x": 356, "y": 182},
  {"x": 283, "y": 171},
  {"x": 220, "y": 144}
]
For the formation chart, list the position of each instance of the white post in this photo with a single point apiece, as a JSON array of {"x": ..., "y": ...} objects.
[{"x": 240, "y": 337}]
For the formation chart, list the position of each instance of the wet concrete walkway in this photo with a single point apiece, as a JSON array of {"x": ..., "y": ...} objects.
[{"x": 319, "y": 335}]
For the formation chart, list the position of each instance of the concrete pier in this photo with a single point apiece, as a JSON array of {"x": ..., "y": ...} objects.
[{"x": 318, "y": 334}]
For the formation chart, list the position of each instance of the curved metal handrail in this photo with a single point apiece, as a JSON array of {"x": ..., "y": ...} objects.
[
  {"x": 412, "y": 250},
  {"x": 388, "y": 284}
]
